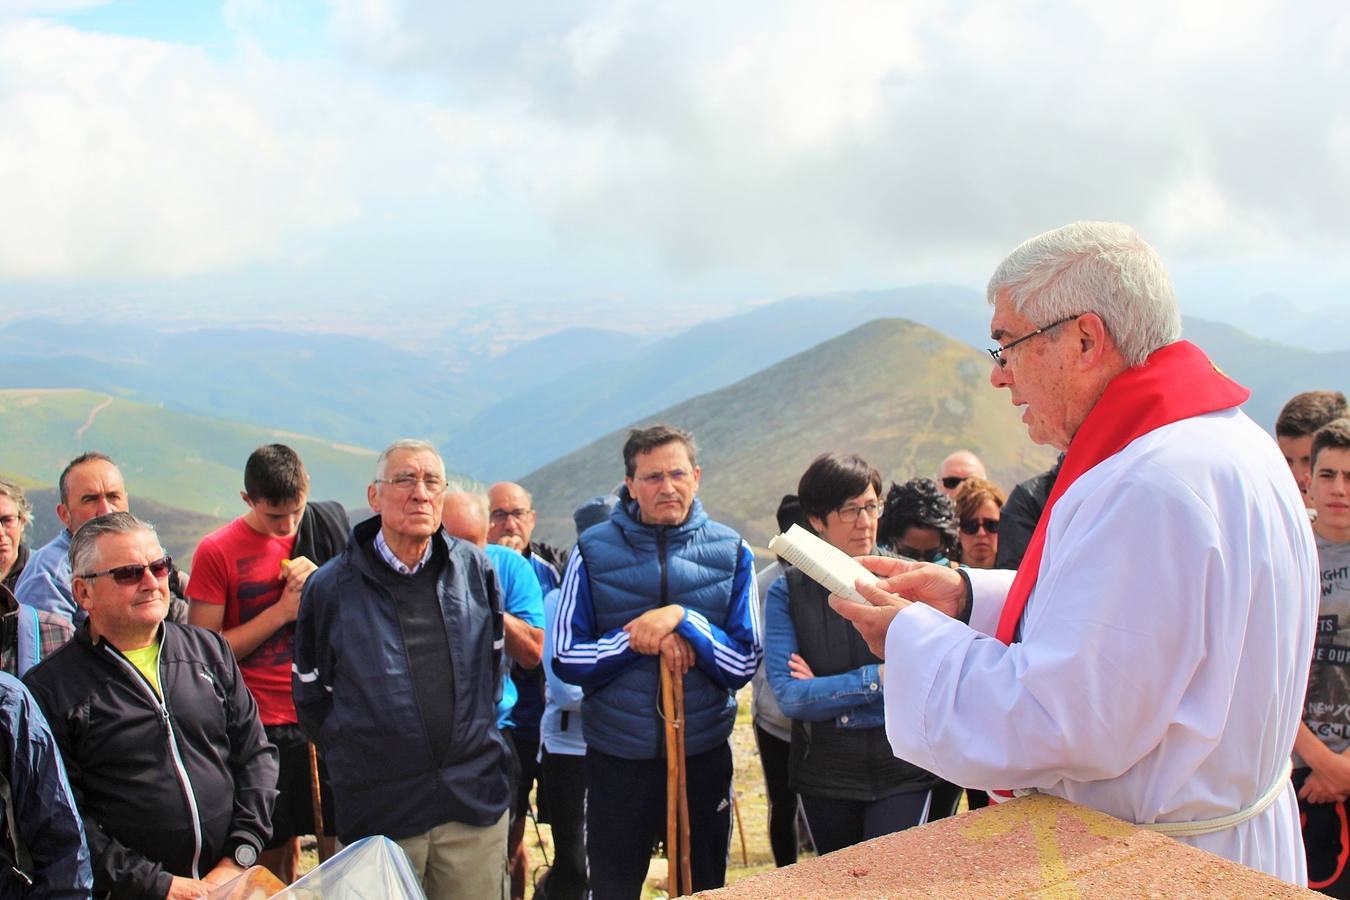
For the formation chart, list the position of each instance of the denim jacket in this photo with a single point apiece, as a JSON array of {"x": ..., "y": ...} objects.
[{"x": 852, "y": 699}]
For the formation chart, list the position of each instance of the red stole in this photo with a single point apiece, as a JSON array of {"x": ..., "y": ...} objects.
[{"x": 1176, "y": 382}]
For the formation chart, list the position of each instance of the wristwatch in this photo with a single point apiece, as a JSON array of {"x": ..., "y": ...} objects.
[{"x": 245, "y": 855}]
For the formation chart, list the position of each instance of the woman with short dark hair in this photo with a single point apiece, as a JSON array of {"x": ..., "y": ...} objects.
[
  {"x": 918, "y": 522},
  {"x": 851, "y": 785}
]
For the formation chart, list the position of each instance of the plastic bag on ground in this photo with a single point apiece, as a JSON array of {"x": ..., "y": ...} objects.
[{"x": 373, "y": 868}]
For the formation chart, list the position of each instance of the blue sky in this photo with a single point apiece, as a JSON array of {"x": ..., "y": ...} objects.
[
  {"x": 294, "y": 28},
  {"x": 648, "y": 164}
]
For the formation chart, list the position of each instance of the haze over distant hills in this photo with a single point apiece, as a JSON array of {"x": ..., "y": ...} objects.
[
  {"x": 536, "y": 425},
  {"x": 495, "y": 416},
  {"x": 758, "y": 435}
]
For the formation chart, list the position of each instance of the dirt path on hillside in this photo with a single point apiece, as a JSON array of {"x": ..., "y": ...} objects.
[{"x": 93, "y": 414}]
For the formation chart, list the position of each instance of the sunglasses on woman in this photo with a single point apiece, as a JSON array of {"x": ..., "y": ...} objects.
[
  {"x": 972, "y": 526},
  {"x": 918, "y": 555},
  {"x": 132, "y": 574}
]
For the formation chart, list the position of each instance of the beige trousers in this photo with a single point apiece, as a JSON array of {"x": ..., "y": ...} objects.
[{"x": 461, "y": 861}]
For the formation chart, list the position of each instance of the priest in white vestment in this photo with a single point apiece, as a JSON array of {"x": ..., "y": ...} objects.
[{"x": 1151, "y": 660}]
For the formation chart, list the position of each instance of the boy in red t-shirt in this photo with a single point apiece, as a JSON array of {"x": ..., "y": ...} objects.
[{"x": 246, "y": 583}]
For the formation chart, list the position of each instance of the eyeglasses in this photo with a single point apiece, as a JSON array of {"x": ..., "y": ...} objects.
[
  {"x": 406, "y": 483},
  {"x": 654, "y": 479},
  {"x": 972, "y": 526},
  {"x": 952, "y": 482},
  {"x": 851, "y": 513},
  {"x": 126, "y": 575},
  {"x": 918, "y": 555},
  {"x": 9, "y": 521},
  {"x": 997, "y": 352},
  {"x": 499, "y": 516}
]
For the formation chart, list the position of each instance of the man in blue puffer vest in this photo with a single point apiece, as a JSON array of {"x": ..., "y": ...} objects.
[{"x": 657, "y": 584}]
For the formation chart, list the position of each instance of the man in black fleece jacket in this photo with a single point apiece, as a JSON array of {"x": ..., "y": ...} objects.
[{"x": 166, "y": 757}]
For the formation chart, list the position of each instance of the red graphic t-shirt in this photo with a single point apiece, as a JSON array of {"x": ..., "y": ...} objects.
[{"x": 241, "y": 569}]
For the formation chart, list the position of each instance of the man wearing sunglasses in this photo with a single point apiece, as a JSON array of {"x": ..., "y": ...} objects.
[
  {"x": 956, "y": 468},
  {"x": 167, "y": 760},
  {"x": 658, "y": 584},
  {"x": 1149, "y": 659}
]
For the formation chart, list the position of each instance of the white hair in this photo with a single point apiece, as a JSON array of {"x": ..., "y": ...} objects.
[
  {"x": 1098, "y": 267},
  {"x": 476, "y": 500},
  {"x": 409, "y": 445}
]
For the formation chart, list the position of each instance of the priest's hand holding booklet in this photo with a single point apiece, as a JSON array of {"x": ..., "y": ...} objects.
[{"x": 870, "y": 590}]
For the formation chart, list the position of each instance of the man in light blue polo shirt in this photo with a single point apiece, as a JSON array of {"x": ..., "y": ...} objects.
[{"x": 90, "y": 485}]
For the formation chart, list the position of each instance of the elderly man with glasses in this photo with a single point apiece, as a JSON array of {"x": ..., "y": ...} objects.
[
  {"x": 657, "y": 584},
  {"x": 1149, "y": 658},
  {"x": 511, "y": 521},
  {"x": 166, "y": 756},
  {"x": 398, "y": 653}
]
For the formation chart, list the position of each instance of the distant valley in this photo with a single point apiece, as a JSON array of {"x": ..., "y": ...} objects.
[{"x": 182, "y": 409}]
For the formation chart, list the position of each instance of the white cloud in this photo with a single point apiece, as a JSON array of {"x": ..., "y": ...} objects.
[
  {"x": 790, "y": 139},
  {"x": 123, "y": 157},
  {"x": 802, "y": 135}
]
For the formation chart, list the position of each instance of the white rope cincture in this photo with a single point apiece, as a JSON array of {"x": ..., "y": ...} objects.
[{"x": 1223, "y": 823}]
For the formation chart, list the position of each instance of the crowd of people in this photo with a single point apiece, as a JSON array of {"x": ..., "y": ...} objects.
[{"x": 423, "y": 673}]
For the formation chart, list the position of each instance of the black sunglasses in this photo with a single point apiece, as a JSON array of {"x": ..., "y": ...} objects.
[
  {"x": 918, "y": 555},
  {"x": 952, "y": 482},
  {"x": 972, "y": 526},
  {"x": 134, "y": 573}
]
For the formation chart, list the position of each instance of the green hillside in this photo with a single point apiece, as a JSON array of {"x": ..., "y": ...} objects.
[
  {"x": 900, "y": 394},
  {"x": 185, "y": 462},
  {"x": 179, "y": 530}
]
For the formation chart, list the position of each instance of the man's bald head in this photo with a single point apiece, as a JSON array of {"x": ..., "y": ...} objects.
[
  {"x": 465, "y": 515},
  {"x": 957, "y": 468},
  {"x": 512, "y": 516}
]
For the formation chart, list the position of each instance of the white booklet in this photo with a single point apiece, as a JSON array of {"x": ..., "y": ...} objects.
[{"x": 824, "y": 563}]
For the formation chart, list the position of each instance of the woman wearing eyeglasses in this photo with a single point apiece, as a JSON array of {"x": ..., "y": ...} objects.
[
  {"x": 852, "y": 787},
  {"x": 978, "y": 506}
]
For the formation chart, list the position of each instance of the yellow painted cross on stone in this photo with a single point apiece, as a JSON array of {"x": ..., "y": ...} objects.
[{"x": 1045, "y": 820}]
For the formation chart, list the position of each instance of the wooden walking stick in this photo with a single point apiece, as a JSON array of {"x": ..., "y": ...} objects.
[
  {"x": 686, "y": 878},
  {"x": 678, "y": 879},
  {"x": 316, "y": 800},
  {"x": 672, "y": 783},
  {"x": 740, "y": 829}
]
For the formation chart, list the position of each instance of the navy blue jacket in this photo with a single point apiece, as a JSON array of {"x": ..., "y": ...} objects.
[
  {"x": 48, "y": 824},
  {"x": 623, "y": 568},
  {"x": 355, "y": 699}
]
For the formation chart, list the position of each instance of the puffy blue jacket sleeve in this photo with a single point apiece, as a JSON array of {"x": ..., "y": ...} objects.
[
  {"x": 729, "y": 653},
  {"x": 580, "y": 654},
  {"x": 48, "y": 822},
  {"x": 851, "y": 699}
]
